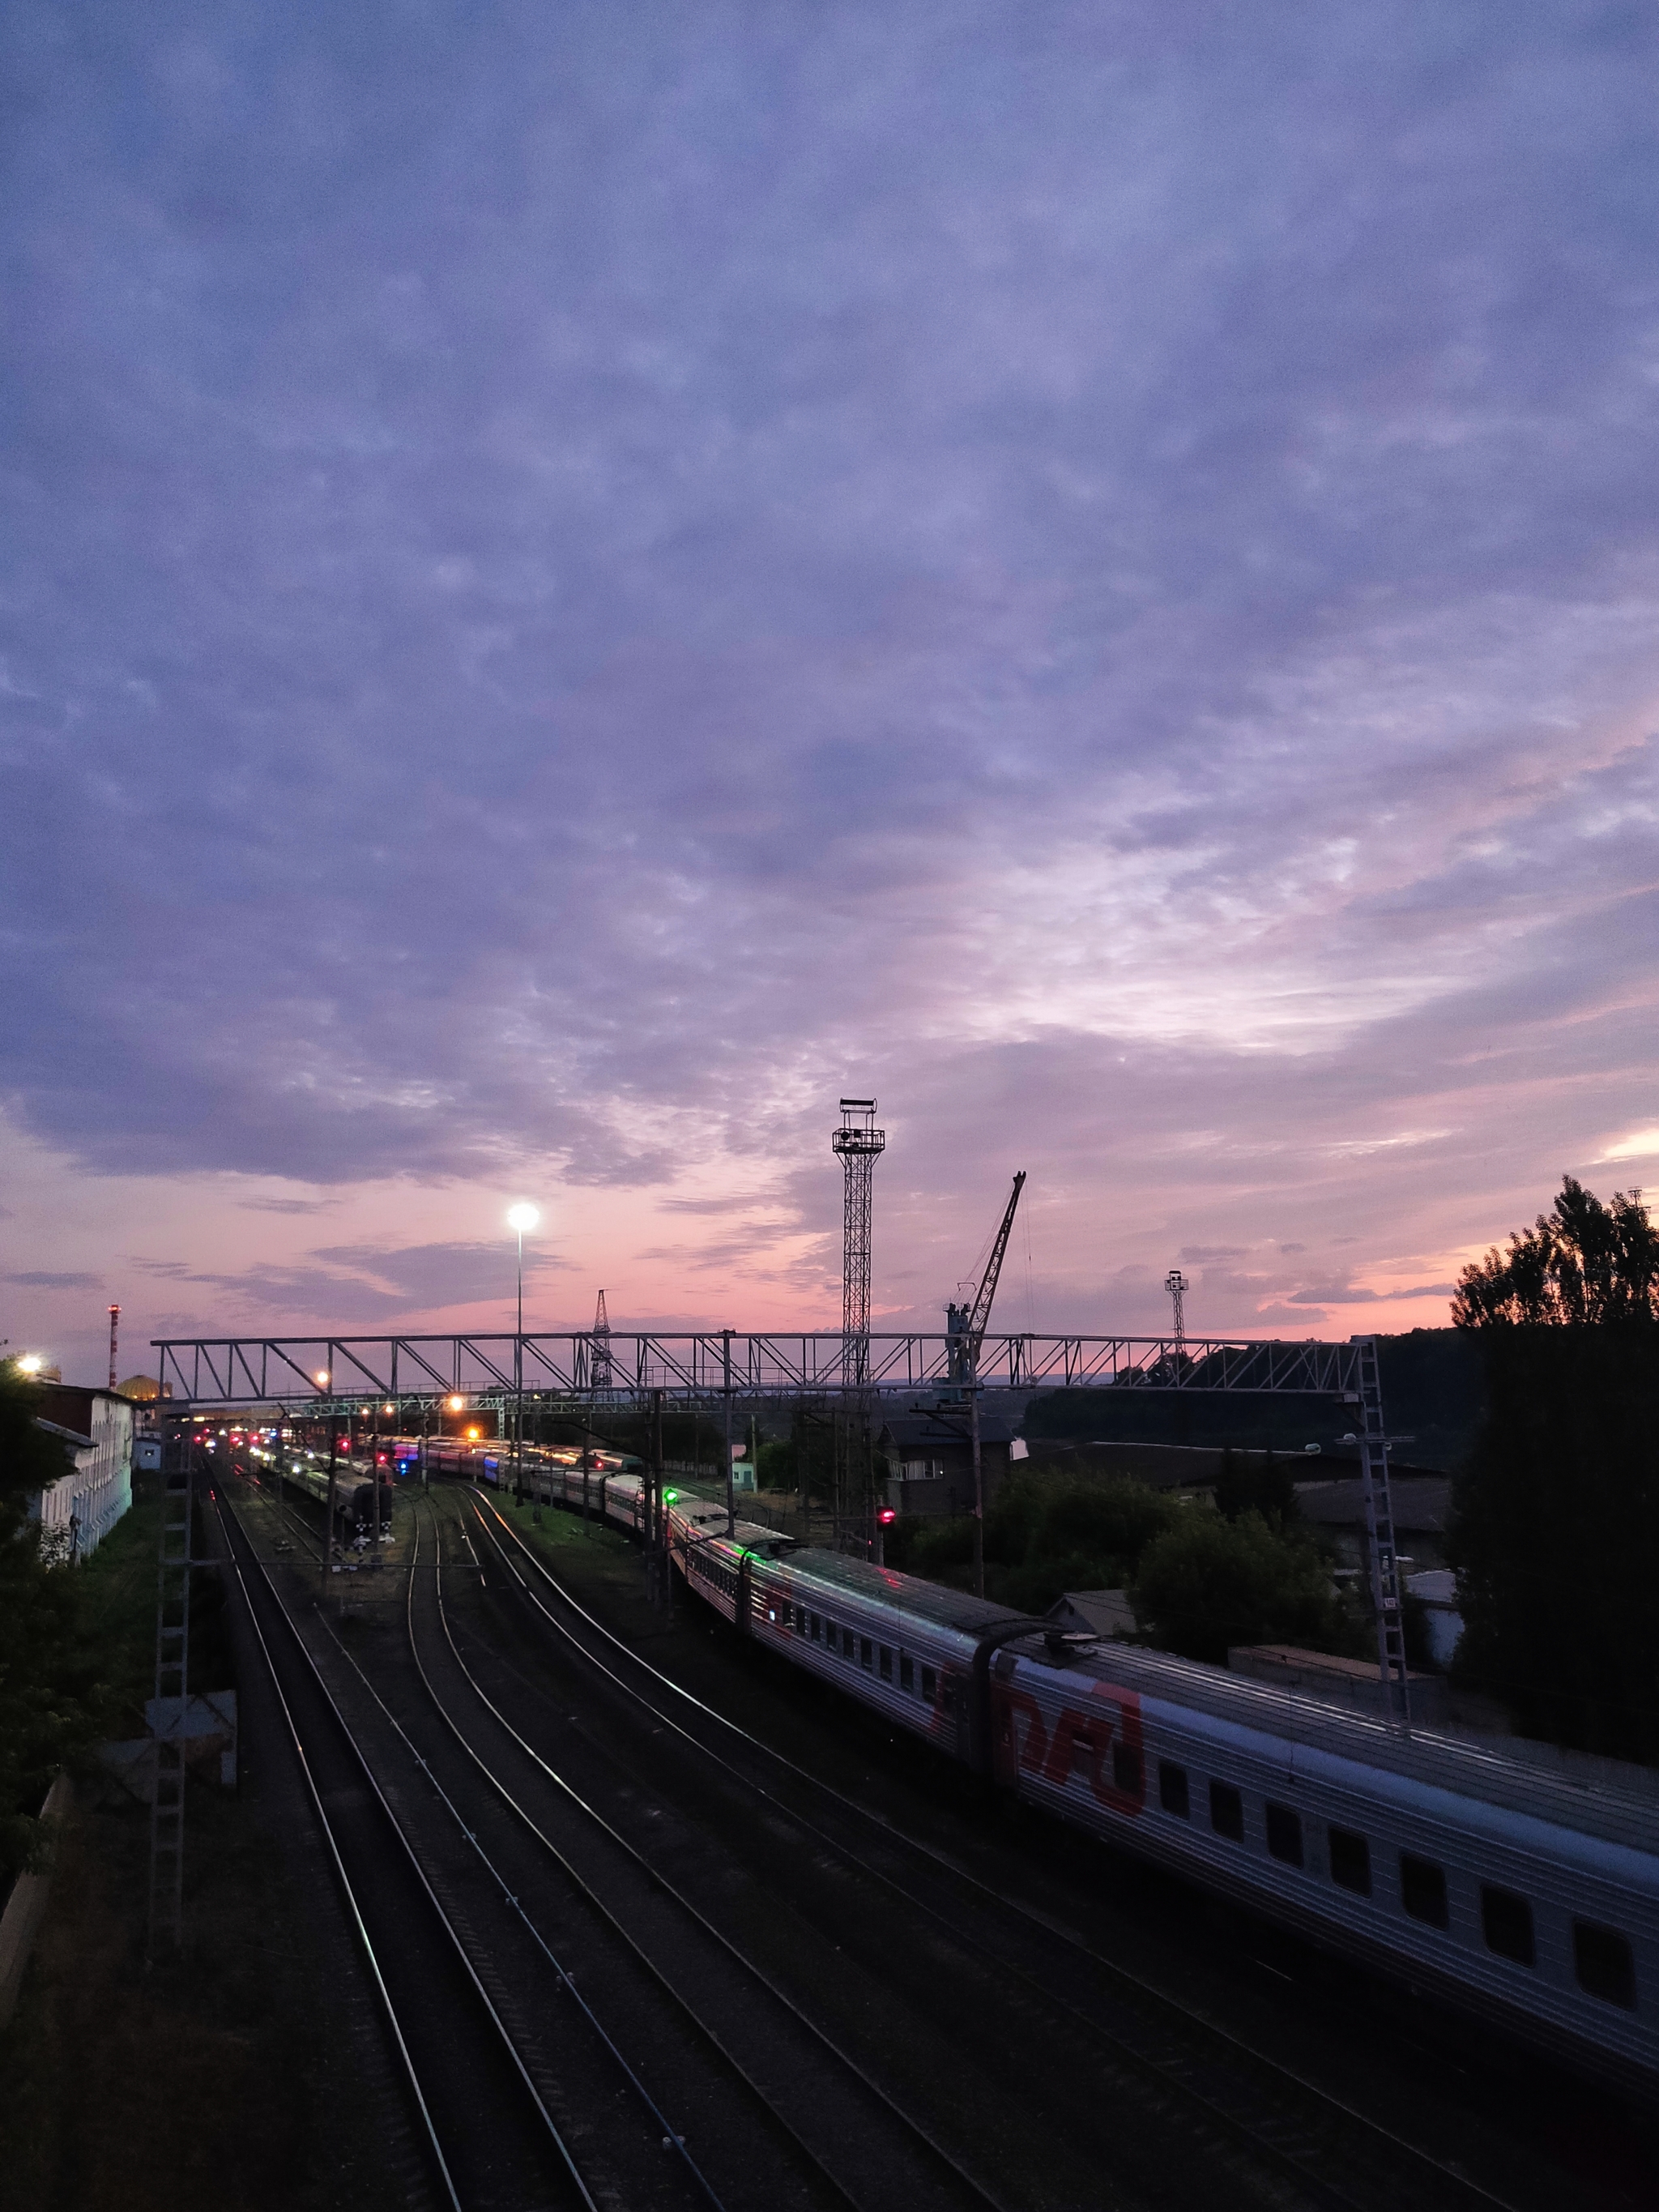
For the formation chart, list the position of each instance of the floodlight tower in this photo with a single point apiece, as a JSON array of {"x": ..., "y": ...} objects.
[
  {"x": 114, "y": 1326},
  {"x": 598, "y": 1374},
  {"x": 859, "y": 1144},
  {"x": 1177, "y": 1285}
]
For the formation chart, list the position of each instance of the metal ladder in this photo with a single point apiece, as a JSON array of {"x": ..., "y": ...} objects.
[
  {"x": 167, "y": 1819},
  {"x": 1373, "y": 1442}
]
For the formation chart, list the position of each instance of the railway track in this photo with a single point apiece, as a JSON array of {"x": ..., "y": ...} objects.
[
  {"x": 1054, "y": 1983},
  {"x": 488, "y": 2135},
  {"x": 832, "y": 2112}
]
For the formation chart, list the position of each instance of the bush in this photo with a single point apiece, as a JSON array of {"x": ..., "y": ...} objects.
[
  {"x": 1209, "y": 1582},
  {"x": 1044, "y": 1535},
  {"x": 775, "y": 1465}
]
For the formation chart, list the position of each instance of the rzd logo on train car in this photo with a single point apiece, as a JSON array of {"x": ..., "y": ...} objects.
[{"x": 1100, "y": 1740}]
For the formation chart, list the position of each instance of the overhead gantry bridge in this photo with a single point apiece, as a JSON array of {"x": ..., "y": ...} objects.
[
  {"x": 324, "y": 1375},
  {"x": 310, "y": 1371}
]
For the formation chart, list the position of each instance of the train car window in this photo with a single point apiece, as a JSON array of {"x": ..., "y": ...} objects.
[
  {"x": 907, "y": 1672},
  {"x": 866, "y": 1654},
  {"x": 947, "y": 1693},
  {"x": 885, "y": 1657},
  {"x": 1172, "y": 1788},
  {"x": 1506, "y": 1924},
  {"x": 1604, "y": 1967},
  {"x": 1285, "y": 1833},
  {"x": 1351, "y": 1862},
  {"x": 1226, "y": 1811},
  {"x": 929, "y": 1683},
  {"x": 1423, "y": 1889},
  {"x": 1125, "y": 1769}
]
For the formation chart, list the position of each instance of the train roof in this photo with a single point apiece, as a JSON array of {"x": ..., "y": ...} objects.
[
  {"x": 1521, "y": 1777},
  {"x": 947, "y": 1608}
]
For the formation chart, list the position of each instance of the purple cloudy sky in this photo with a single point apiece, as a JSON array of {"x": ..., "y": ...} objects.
[{"x": 580, "y": 579}]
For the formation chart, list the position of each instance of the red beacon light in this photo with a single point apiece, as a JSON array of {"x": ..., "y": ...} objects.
[{"x": 887, "y": 1516}]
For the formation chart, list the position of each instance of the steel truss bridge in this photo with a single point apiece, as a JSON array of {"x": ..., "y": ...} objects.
[{"x": 318, "y": 1371}]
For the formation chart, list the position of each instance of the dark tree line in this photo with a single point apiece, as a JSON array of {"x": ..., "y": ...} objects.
[
  {"x": 51, "y": 1698},
  {"x": 1556, "y": 1531}
]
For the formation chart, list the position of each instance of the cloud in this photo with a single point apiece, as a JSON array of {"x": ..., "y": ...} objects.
[
  {"x": 620, "y": 597},
  {"x": 1350, "y": 1297},
  {"x": 288, "y": 1205},
  {"x": 42, "y": 1278},
  {"x": 1639, "y": 1145}
]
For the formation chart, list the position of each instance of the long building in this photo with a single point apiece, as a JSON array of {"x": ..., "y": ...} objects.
[{"x": 78, "y": 1510}]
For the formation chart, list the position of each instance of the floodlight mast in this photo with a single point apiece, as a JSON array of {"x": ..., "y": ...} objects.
[
  {"x": 1177, "y": 1285},
  {"x": 859, "y": 1144}
]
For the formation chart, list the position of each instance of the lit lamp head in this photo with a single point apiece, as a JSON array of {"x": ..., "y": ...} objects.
[
  {"x": 30, "y": 1364},
  {"x": 522, "y": 1217},
  {"x": 320, "y": 1378},
  {"x": 457, "y": 1405}
]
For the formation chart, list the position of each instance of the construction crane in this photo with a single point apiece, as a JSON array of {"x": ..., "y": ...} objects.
[
  {"x": 965, "y": 1330},
  {"x": 965, "y": 1325}
]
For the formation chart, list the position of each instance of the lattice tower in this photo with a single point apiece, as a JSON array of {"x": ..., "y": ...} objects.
[
  {"x": 859, "y": 1144},
  {"x": 600, "y": 1371},
  {"x": 1177, "y": 1285}
]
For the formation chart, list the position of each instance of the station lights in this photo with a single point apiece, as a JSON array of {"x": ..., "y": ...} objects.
[{"x": 30, "y": 1364}]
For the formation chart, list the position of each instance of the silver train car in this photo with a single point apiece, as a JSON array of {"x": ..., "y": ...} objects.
[
  {"x": 1490, "y": 1876},
  {"x": 1498, "y": 1883}
]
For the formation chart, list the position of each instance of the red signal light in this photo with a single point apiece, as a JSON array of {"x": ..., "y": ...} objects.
[{"x": 887, "y": 1516}]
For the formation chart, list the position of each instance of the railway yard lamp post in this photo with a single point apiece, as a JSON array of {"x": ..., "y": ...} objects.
[{"x": 519, "y": 1217}]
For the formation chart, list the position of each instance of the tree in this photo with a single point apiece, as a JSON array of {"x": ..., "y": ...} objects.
[
  {"x": 1583, "y": 1263},
  {"x": 1043, "y": 1534},
  {"x": 50, "y": 1702},
  {"x": 1555, "y": 1536},
  {"x": 1555, "y": 1528},
  {"x": 1209, "y": 1583},
  {"x": 1266, "y": 1485}
]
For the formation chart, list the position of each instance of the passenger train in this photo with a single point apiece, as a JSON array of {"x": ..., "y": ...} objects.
[
  {"x": 1490, "y": 1875},
  {"x": 354, "y": 1493}
]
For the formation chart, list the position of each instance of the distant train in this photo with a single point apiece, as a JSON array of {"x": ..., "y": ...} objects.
[
  {"x": 1504, "y": 1882},
  {"x": 354, "y": 1493},
  {"x": 492, "y": 1461}
]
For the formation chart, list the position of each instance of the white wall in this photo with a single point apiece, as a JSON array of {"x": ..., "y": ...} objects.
[{"x": 78, "y": 1510}]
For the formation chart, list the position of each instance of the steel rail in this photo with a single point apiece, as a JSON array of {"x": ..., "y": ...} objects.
[
  {"x": 670, "y": 2133},
  {"x": 359, "y": 1927},
  {"x": 1191, "y": 2018},
  {"x": 562, "y": 2150},
  {"x": 591, "y": 1897},
  {"x": 660, "y": 1882}
]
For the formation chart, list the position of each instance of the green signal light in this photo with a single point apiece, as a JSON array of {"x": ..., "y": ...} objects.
[{"x": 670, "y": 1498}]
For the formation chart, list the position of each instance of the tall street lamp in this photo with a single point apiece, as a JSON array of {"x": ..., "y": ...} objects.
[{"x": 519, "y": 1217}]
